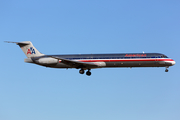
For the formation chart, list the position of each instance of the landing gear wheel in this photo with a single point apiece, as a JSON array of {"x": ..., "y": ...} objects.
[
  {"x": 81, "y": 71},
  {"x": 167, "y": 69},
  {"x": 88, "y": 73}
]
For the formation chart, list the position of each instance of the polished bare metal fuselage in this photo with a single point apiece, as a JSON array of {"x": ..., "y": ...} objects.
[{"x": 113, "y": 60}]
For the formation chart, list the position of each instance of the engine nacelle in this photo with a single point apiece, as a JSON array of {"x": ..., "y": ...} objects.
[{"x": 47, "y": 61}]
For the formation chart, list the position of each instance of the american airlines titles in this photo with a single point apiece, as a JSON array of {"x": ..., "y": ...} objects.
[{"x": 135, "y": 55}]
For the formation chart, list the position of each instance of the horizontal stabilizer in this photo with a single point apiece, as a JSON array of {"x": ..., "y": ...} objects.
[{"x": 21, "y": 44}]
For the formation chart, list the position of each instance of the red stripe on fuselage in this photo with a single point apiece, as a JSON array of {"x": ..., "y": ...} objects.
[
  {"x": 165, "y": 60},
  {"x": 124, "y": 60}
]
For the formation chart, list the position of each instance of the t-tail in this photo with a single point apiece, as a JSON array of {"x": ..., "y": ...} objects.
[{"x": 28, "y": 49}]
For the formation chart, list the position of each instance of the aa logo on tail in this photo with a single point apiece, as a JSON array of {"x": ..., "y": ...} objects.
[{"x": 31, "y": 51}]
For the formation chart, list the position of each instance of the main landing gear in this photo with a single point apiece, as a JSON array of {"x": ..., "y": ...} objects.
[
  {"x": 88, "y": 73},
  {"x": 166, "y": 69},
  {"x": 81, "y": 71}
]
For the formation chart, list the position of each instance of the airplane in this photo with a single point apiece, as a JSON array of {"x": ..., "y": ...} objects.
[{"x": 92, "y": 61}]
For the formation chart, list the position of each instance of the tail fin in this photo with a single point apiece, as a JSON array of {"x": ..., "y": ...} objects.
[{"x": 28, "y": 49}]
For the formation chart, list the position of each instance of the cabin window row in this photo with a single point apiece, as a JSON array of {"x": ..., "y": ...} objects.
[{"x": 112, "y": 57}]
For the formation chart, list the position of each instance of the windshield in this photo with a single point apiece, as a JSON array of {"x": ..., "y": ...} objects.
[{"x": 164, "y": 56}]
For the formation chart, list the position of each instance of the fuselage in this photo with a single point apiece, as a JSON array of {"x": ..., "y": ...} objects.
[{"x": 110, "y": 60}]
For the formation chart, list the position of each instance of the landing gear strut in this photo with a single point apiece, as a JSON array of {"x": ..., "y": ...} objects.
[
  {"x": 88, "y": 73},
  {"x": 166, "y": 69}
]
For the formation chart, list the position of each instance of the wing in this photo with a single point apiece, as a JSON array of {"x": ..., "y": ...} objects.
[{"x": 76, "y": 64}]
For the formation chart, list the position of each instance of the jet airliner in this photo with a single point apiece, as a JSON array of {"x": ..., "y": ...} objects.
[{"x": 92, "y": 61}]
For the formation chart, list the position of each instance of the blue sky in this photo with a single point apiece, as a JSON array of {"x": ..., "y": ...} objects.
[{"x": 29, "y": 91}]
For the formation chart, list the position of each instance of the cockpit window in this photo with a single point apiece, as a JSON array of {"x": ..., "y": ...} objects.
[{"x": 164, "y": 56}]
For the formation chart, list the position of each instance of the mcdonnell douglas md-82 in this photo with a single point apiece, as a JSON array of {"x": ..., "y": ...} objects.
[{"x": 92, "y": 61}]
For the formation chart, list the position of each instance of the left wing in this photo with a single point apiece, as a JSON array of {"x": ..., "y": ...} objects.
[{"x": 76, "y": 64}]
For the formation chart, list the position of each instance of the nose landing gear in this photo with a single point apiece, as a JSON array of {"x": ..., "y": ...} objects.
[{"x": 166, "y": 69}]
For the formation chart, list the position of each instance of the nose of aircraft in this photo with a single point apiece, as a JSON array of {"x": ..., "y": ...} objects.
[{"x": 173, "y": 62}]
